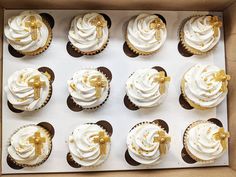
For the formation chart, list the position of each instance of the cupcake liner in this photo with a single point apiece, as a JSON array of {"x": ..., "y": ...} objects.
[
  {"x": 185, "y": 142},
  {"x": 91, "y": 52},
  {"x": 107, "y": 155},
  {"x": 194, "y": 105},
  {"x": 50, "y": 147},
  {"x": 186, "y": 46},
  {"x": 96, "y": 107},
  {"x": 48, "y": 97},
  {"x": 41, "y": 49}
]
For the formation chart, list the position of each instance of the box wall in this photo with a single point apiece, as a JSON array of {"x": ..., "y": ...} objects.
[
  {"x": 123, "y": 4},
  {"x": 230, "y": 44}
]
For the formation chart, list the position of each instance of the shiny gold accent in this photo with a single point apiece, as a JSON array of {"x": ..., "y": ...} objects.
[
  {"x": 216, "y": 24},
  {"x": 37, "y": 141},
  {"x": 222, "y": 135},
  {"x": 73, "y": 86},
  {"x": 221, "y": 76},
  {"x": 33, "y": 25},
  {"x": 47, "y": 75},
  {"x": 162, "y": 139},
  {"x": 100, "y": 23},
  {"x": 157, "y": 25},
  {"x": 102, "y": 139},
  {"x": 98, "y": 83},
  {"x": 161, "y": 79},
  {"x": 37, "y": 85}
]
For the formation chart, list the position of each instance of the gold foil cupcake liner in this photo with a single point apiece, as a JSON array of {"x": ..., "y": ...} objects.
[
  {"x": 41, "y": 49},
  {"x": 186, "y": 146},
  {"x": 186, "y": 46},
  {"x": 107, "y": 154},
  {"x": 49, "y": 136},
  {"x": 91, "y": 52}
]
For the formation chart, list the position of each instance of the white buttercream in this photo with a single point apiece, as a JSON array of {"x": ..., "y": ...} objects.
[{"x": 19, "y": 36}]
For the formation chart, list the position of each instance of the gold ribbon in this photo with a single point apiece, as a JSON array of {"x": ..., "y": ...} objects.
[
  {"x": 216, "y": 24},
  {"x": 161, "y": 79},
  {"x": 33, "y": 25},
  {"x": 221, "y": 76},
  {"x": 157, "y": 25},
  {"x": 37, "y": 85},
  {"x": 222, "y": 135},
  {"x": 102, "y": 139},
  {"x": 100, "y": 23},
  {"x": 162, "y": 139},
  {"x": 98, "y": 83},
  {"x": 37, "y": 141}
]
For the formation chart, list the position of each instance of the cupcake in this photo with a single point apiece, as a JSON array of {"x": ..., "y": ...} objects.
[
  {"x": 200, "y": 34},
  {"x": 148, "y": 143},
  {"x": 28, "y": 33},
  {"x": 205, "y": 141},
  {"x": 89, "y": 33},
  {"x": 204, "y": 86},
  {"x": 89, "y": 88},
  {"x": 89, "y": 145},
  {"x": 30, "y": 146},
  {"x": 28, "y": 89},
  {"x": 147, "y": 87},
  {"x": 146, "y": 33}
]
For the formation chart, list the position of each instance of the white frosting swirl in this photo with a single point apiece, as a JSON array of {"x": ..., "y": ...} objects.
[
  {"x": 141, "y": 145},
  {"x": 201, "y": 143},
  {"x": 22, "y": 151},
  {"x": 143, "y": 91},
  {"x": 201, "y": 88},
  {"x": 81, "y": 90},
  {"x": 83, "y": 33},
  {"x": 19, "y": 36},
  {"x": 199, "y": 33},
  {"x": 141, "y": 36},
  {"x": 83, "y": 148},
  {"x": 21, "y": 95}
]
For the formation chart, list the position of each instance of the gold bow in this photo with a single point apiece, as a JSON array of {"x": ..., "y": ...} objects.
[
  {"x": 98, "y": 83},
  {"x": 100, "y": 23},
  {"x": 161, "y": 79},
  {"x": 37, "y": 141},
  {"x": 37, "y": 85},
  {"x": 222, "y": 135},
  {"x": 221, "y": 76},
  {"x": 33, "y": 25},
  {"x": 162, "y": 139},
  {"x": 102, "y": 139},
  {"x": 157, "y": 25},
  {"x": 216, "y": 24}
]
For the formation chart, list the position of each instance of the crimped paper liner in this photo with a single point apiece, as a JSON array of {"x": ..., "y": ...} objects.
[
  {"x": 186, "y": 146},
  {"x": 135, "y": 104},
  {"x": 143, "y": 123},
  {"x": 96, "y": 107},
  {"x": 41, "y": 49},
  {"x": 186, "y": 46},
  {"x": 107, "y": 155},
  {"x": 91, "y": 52},
  {"x": 49, "y": 136}
]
